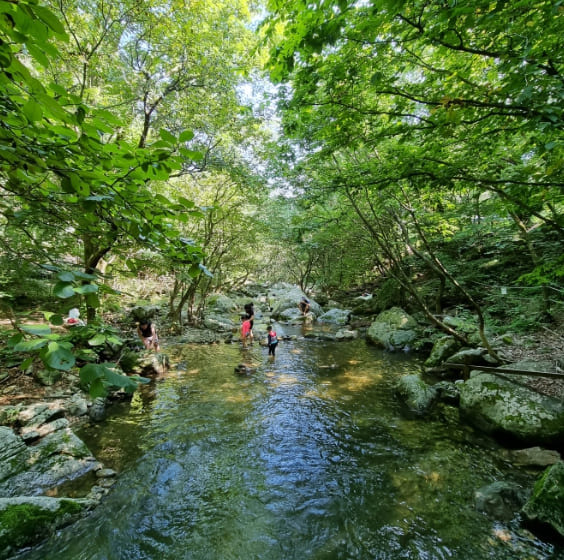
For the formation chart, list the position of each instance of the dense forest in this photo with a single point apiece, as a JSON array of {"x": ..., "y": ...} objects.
[{"x": 172, "y": 150}]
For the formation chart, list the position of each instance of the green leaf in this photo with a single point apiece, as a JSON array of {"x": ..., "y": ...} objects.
[
  {"x": 63, "y": 290},
  {"x": 86, "y": 289},
  {"x": 66, "y": 276},
  {"x": 30, "y": 345},
  {"x": 40, "y": 330},
  {"x": 49, "y": 18},
  {"x": 186, "y": 136},
  {"x": 57, "y": 357},
  {"x": 97, "y": 340},
  {"x": 32, "y": 111},
  {"x": 167, "y": 136},
  {"x": 26, "y": 363}
]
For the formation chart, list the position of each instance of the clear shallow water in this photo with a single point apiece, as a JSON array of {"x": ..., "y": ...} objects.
[{"x": 310, "y": 457}]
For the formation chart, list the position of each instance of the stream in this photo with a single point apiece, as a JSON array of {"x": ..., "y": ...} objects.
[{"x": 309, "y": 457}]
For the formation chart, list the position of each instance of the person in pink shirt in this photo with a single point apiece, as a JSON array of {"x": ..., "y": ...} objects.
[{"x": 246, "y": 331}]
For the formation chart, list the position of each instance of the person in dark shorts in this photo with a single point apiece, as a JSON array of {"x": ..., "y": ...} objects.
[{"x": 272, "y": 341}]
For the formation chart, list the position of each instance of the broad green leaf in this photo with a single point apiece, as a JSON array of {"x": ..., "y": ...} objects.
[
  {"x": 97, "y": 340},
  {"x": 57, "y": 357},
  {"x": 33, "y": 111},
  {"x": 186, "y": 136},
  {"x": 86, "y": 289},
  {"x": 66, "y": 276},
  {"x": 30, "y": 345},
  {"x": 40, "y": 330},
  {"x": 63, "y": 290},
  {"x": 167, "y": 136}
]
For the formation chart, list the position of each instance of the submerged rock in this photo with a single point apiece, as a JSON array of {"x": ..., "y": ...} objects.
[
  {"x": 418, "y": 395},
  {"x": 500, "y": 500}
]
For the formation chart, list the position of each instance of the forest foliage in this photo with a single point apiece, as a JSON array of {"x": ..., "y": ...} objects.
[{"x": 411, "y": 146}]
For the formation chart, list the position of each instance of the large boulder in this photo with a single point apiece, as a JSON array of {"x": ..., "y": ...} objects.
[
  {"x": 546, "y": 504},
  {"x": 497, "y": 405},
  {"x": 393, "y": 329},
  {"x": 221, "y": 304},
  {"x": 336, "y": 316},
  {"x": 285, "y": 301},
  {"x": 58, "y": 457}
]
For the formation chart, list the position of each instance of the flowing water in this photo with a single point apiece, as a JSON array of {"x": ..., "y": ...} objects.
[{"x": 309, "y": 457}]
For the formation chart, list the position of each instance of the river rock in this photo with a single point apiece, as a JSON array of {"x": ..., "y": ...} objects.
[
  {"x": 39, "y": 413},
  {"x": 443, "y": 348},
  {"x": 471, "y": 357},
  {"x": 31, "y": 470},
  {"x": 344, "y": 334},
  {"x": 13, "y": 453},
  {"x": 393, "y": 329},
  {"x": 545, "y": 506},
  {"x": 221, "y": 304},
  {"x": 285, "y": 303},
  {"x": 500, "y": 500},
  {"x": 418, "y": 395},
  {"x": 218, "y": 323},
  {"x": 25, "y": 521},
  {"x": 496, "y": 405},
  {"x": 533, "y": 457},
  {"x": 336, "y": 316},
  {"x": 97, "y": 410}
]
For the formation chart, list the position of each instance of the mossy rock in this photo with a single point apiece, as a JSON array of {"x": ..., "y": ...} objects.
[
  {"x": 546, "y": 505},
  {"x": 26, "y": 521}
]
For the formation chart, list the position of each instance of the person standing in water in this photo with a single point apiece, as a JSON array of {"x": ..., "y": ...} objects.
[
  {"x": 246, "y": 331},
  {"x": 148, "y": 335},
  {"x": 272, "y": 341}
]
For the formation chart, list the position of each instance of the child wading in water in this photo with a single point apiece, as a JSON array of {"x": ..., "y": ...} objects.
[
  {"x": 272, "y": 341},
  {"x": 246, "y": 331}
]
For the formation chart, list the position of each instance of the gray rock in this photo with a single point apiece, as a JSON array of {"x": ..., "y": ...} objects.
[
  {"x": 499, "y": 406},
  {"x": 534, "y": 457},
  {"x": 418, "y": 395},
  {"x": 221, "y": 304},
  {"x": 545, "y": 504},
  {"x": 13, "y": 453},
  {"x": 97, "y": 410},
  {"x": 336, "y": 316},
  {"x": 344, "y": 334},
  {"x": 471, "y": 357},
  {"x": 393, "y": 329},
  {"x": 57, "y": 457},
  {"x": 48, "y": 376},
  {"x": 39, "y": 413},
  {"x": 286, "y": 299},
  {"x": 77, "y": 405},
  {"x": 443, "y": 348}
]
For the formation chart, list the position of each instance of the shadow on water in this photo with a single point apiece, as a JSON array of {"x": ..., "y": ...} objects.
[{"x": 310, "y": 456}]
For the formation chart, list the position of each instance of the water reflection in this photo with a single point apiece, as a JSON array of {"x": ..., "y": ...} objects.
[{"x": 310, "y": 456}]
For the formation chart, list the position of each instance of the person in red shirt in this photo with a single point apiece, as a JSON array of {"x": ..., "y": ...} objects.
[{"x": 246, "y": 331}]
